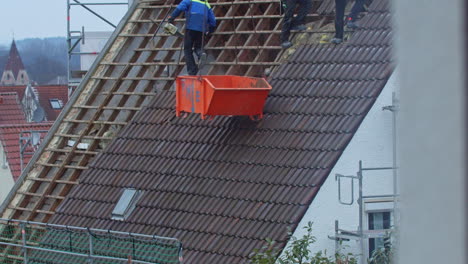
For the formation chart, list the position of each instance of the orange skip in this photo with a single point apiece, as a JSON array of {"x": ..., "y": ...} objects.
[{"x": 212, "y": 95}]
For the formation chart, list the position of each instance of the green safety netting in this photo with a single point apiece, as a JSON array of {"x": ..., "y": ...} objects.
[{"x": 62, "y": 242}]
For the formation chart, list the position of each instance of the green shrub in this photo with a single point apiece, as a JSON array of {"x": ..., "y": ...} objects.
[{"x": 298, "y": 252}]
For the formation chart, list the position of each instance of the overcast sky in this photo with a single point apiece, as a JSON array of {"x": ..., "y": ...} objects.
[{"x": 48, "y": 18}]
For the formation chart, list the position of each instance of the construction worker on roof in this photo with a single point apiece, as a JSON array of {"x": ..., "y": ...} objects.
[
  {"x": 293, "y": 23},
  {"x": 200, "y": 22},
  {"x": 340, "y": 6}
]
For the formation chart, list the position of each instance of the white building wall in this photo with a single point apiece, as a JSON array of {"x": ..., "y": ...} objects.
[
  {"x": 7, "y": 78},
  {"x": 94, "y": 43},
  {"x": 372, "y": 144},
  {"x": 22, "y": 78},
  {"x": 6, "y": 178}
]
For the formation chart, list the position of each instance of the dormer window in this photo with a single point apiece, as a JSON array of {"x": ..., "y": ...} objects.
[
  {"x": 126, "y": 204},
  {"x": 56, "y": 103}
]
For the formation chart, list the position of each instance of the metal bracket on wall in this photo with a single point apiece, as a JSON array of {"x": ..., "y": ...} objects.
[{"x": 338, "y": 178}]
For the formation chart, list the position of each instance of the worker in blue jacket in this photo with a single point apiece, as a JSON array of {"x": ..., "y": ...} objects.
[{"x": 200, "y": 20}]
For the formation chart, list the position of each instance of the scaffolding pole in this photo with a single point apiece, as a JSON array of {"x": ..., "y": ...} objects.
[
  {"x": 361, "y": 234},
  {"x": 74, "y": 37},
  {"x": 51, "y": 243}
]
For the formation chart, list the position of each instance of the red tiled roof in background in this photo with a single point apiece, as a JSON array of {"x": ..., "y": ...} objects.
[
  {"x": 10, "y": 135},
  {"x": 14, "y": 63},
  {"x": 47, "y": 93},
  {"x": 10, "y": 109},
  {"x": 223, "y": 186},
  {"x": 14, "y": 89}
]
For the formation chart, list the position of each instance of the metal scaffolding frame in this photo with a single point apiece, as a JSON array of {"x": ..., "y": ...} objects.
[
  {"x": 34, "y": 242},
  {"x": 75, "y": 36},
  {"x": 361, "y": 234}
]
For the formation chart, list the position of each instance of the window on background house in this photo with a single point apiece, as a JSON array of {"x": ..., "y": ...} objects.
[
  {"x": 56, "y": 103},
  {"x": 126, "y": 204},
  {"x": 378, "y": 221}
]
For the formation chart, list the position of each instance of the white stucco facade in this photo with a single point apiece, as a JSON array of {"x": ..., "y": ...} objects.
[
  {"x": 94, "y": 43},
  {"x": 373, "y": 144},
  {"x": 6, "y": 178}
]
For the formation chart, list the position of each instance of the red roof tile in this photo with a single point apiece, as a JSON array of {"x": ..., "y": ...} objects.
[
  {"x": 14, "y": 63},
  {"x": 14, "y": 89},
  {"x": 10, "y": 136},
  {"x": 47, "y": 93},
  {"x": 10, "y": 109}
]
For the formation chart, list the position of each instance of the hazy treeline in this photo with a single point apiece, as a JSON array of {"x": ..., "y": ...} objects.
[{"x": 44, "y": 59}]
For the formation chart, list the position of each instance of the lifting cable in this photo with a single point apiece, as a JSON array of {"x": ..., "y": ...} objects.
[
  {"x": 162, "y": 21},
  {"x": 159, "y": 26},
  {"x": 235, "y": 32},
  {"x": 252, "y": 20},
  {"x": 180, "y": 55},
  {"x": 255, "y": 31},
  {"x": 203, "y": 40}
]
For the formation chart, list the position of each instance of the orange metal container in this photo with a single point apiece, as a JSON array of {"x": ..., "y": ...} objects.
[{"x": 212, "y": 95}]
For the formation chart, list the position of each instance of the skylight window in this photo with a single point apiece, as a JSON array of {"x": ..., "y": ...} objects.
[
  {"x": 126, "y": 204},
  {"x": 56, "y": 103}
]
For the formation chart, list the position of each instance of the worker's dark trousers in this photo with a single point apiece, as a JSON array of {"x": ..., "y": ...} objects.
[
  {"x": 289, "y": 20},
  {"x": 340, "y": 6},
  {"x": 192, "y": 41}
]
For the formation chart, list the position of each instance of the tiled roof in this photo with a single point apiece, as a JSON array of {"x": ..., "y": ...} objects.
[
  {"x": 20, "y": 89},
  {"x": 10, "y": 136},
  {"x": 223, "y": 186},
  {"x": 10, "y": 109},
  {"x": 47, "y": 93},
  {"x": 14, "y": 63}
]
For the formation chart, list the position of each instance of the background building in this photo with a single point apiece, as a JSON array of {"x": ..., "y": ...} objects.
[{"x": 14, "y": 72}]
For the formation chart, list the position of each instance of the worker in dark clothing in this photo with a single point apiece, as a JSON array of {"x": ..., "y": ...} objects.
[
  {"x": 293, "y": 23},
  {"x": 200, "y": 20},
  {"x": 340, "y": 6}
]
